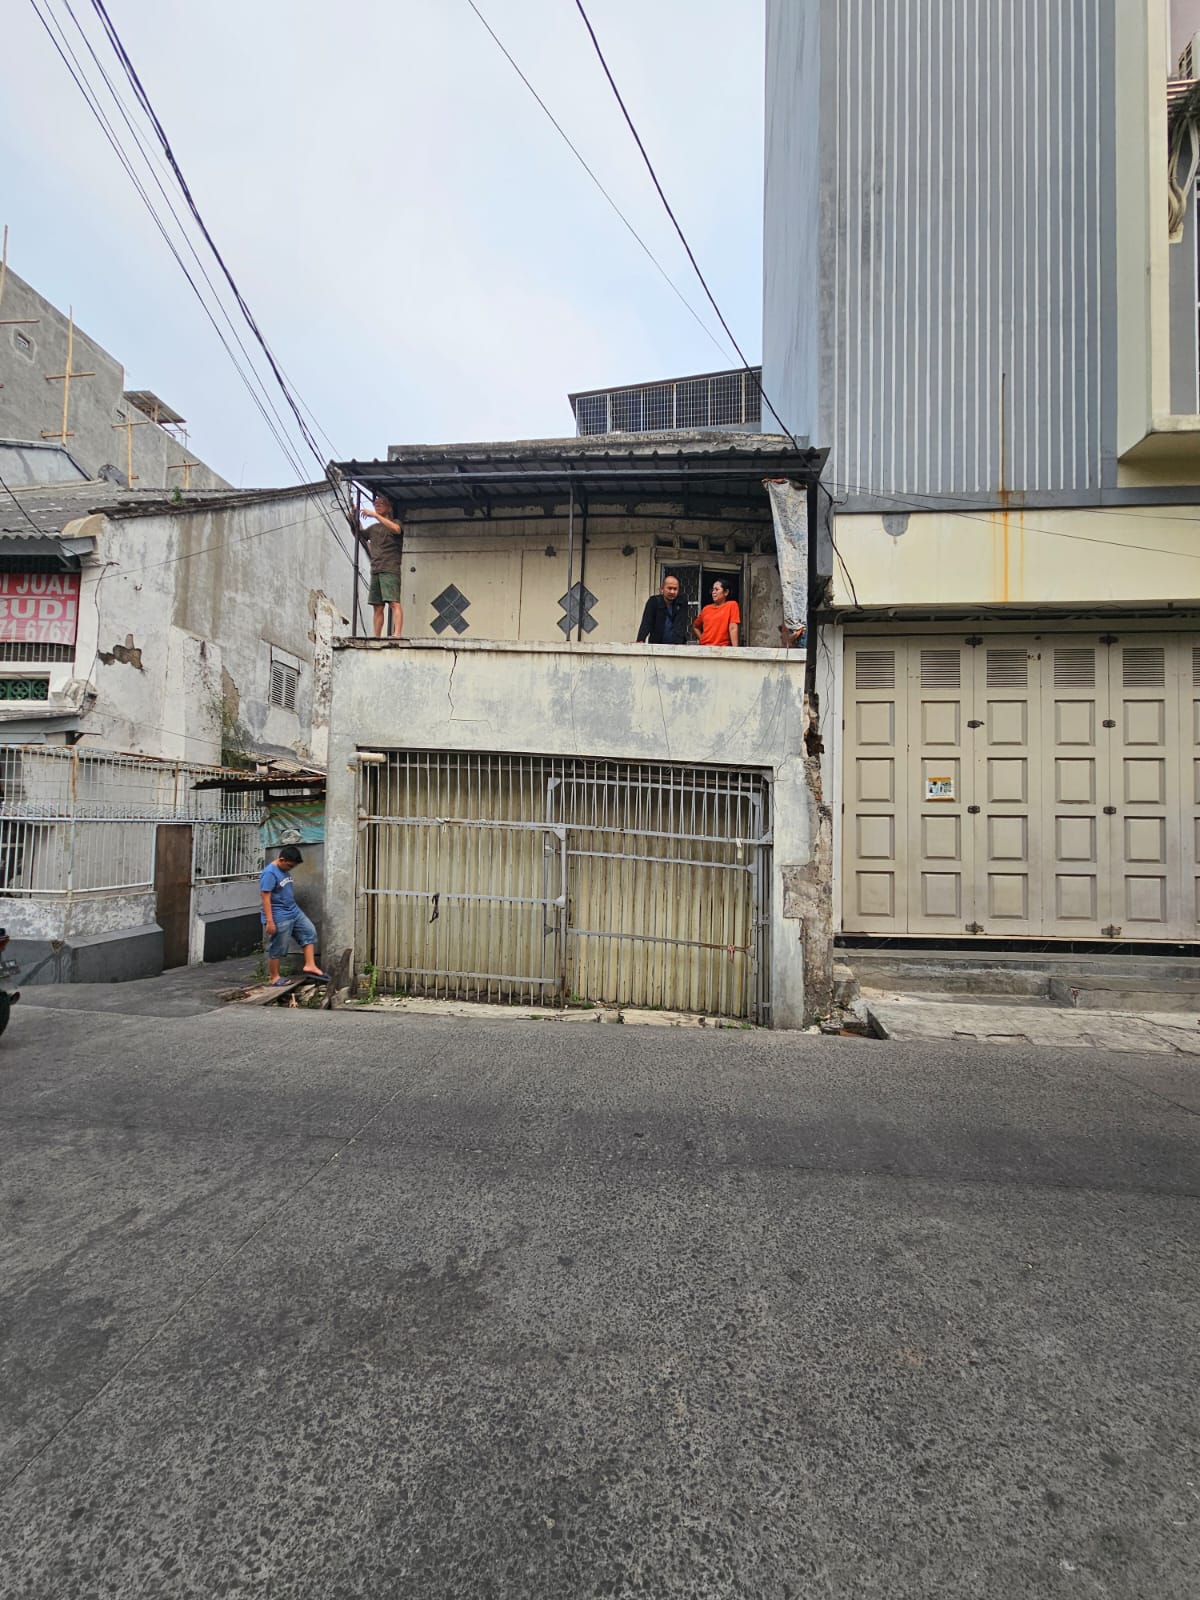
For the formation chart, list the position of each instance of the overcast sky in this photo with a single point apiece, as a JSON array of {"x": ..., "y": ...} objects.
[{"x": 424, "y": 253}]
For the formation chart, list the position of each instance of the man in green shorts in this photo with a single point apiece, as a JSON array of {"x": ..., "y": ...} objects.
[{"x": 384, "y": 538}]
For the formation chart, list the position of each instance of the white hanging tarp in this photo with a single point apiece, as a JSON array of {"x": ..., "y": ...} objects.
[{"x": 789, "y": 512}]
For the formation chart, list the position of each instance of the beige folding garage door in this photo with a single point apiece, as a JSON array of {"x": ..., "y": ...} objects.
[{"x": 1029, "y": 785}]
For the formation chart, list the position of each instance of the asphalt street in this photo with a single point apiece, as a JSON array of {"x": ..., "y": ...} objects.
[{"x": 327, "y": 1305}]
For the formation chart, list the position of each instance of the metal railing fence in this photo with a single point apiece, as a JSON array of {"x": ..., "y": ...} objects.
[{"x": 86, "y": 822}]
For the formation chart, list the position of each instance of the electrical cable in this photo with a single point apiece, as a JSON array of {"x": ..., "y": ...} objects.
[
  {"x": 21, "y": 509},
  {"x": 91, "y": 99},
  {"x": 988, "y": 519},
  {"x": 144, "y": 100},
  {"x": 675, "y": 289},
  {"x": 637, "y": 138},
  {"x": 114, "y": 139},
  {"x": 110, "y": 134}
]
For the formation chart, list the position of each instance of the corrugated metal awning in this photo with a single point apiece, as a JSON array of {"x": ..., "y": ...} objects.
[{"x": 700, "y": 473}]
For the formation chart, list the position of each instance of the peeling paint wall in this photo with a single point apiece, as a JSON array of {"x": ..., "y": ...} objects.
[
  {"x": 178, "y": 617},
  {"x": 515, "y": 572},
  {"x": 699, "y": 707}
]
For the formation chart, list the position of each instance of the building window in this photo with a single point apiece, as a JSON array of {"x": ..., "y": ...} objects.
[
  {"x": 24, "y": 688},
  {"x": 591, "y": 413},
  {"x": 29, "y": 650},
  {"x": 23, "y": 344},
  {"x": 285, "y": 681}
]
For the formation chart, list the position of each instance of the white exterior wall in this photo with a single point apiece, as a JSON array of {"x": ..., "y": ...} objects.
[
  {"x": 740, "y": 708},
  {"x": 1116, "y": 555},
  {"x": 202, "y": 597}
]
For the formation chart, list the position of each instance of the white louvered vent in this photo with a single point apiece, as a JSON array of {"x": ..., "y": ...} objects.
[
  {"x": 285, "y": 681},
  {"x": 1143, "y": 667},
  {"x": 875, "y": 669},
  {"x": 1074, "y": 669},
  {"x": 1007, "y": 669},
  {"x": 1196, "y": 668},
  {"x": 940, "y": 669}
]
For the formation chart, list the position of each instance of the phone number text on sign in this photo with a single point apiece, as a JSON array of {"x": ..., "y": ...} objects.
[{"x": 39, "y": 607}]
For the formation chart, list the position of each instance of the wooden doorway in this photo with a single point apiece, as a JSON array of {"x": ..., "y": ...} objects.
[{"x": 173, "y": 890}]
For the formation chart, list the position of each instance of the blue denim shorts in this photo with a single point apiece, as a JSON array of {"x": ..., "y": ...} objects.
[{"x": 300, "y": 929}]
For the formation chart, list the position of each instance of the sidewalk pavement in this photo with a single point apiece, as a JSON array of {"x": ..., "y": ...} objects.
[{"x": 909, "y": 1018}]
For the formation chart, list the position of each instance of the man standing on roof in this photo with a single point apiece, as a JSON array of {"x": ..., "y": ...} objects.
[{"x": 384, "y": 538}]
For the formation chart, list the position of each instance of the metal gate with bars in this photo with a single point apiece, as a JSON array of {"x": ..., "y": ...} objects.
[{"x": 541, "y": 880}]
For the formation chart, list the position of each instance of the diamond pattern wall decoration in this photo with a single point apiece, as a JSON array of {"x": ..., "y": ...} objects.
[
  {"x": 577, "y": 603},
  {"x": 449, "y": 607}
]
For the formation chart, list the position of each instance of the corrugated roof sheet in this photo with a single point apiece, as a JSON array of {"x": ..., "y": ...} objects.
[
  {"x": 701, "y": 470},
  {"x": 51, "y": 506}
]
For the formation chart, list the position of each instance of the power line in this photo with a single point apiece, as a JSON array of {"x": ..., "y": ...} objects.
[
  {"x": 275, "y": 426},
  {"x": 988, "y": 519},
  {"x": 144, "y": 101},
  {"x": 93, "y": 103},
  {"x": 637, "y": 138},
  {"x": 676, "y": 290},
  {"x": 21, "y": 509}
]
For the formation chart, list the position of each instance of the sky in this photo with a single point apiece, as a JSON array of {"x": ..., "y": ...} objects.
[{"x": 424, "y": 254}]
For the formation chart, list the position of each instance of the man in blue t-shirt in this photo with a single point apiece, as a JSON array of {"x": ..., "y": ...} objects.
[{"x": 283, "y": 919}]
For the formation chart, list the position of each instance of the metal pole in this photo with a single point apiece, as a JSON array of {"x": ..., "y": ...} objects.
[
  {"x": 356, "y": 617},
  {"x": 582, "y": 567},
  {"x": 570, "y": 556},
  {"x": 810, "y": 643}
]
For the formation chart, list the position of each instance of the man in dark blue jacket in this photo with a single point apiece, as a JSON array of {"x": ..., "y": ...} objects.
[{"x": 665, "y": 618}]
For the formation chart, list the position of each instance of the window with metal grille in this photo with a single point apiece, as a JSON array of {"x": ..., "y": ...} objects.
[
  {"x": 691, "y": 403},
  {"x": 726, "y": 399},
  {"x": 591, "y": 413},
  {"x": 712, "y": 400},
  {"x": 24, "y": 688},
  {"x": 27, "y": 650},
  {"x": 1196, "y": 668},
  {"x": 285, "y": 681}
]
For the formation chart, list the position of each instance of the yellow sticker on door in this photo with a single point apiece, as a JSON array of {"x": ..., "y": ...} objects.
[{"x": 940, "y": 788}]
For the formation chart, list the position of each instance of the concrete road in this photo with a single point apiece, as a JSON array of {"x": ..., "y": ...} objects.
[{"x": 301, "y": 1304}]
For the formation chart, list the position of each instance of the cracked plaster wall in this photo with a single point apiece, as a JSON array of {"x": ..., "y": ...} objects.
[
  {"x": 178, "y": 617},
  {"x": 743, "y": 708}
]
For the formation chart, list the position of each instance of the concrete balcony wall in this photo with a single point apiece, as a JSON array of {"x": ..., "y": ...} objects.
[{"x": 740, "y": 708}]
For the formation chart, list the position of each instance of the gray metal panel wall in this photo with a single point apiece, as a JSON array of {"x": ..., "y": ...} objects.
[{"x": 956, "y": 219}]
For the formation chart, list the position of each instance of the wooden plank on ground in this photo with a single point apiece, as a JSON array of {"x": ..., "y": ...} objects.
[{"x": 265, "y": 993}]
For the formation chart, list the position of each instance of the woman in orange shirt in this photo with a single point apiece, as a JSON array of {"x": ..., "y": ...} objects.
[{"x": 720, "y": 622}]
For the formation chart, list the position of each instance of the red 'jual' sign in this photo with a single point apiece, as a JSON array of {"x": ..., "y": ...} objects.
[{"x": 39, "y": 607}]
